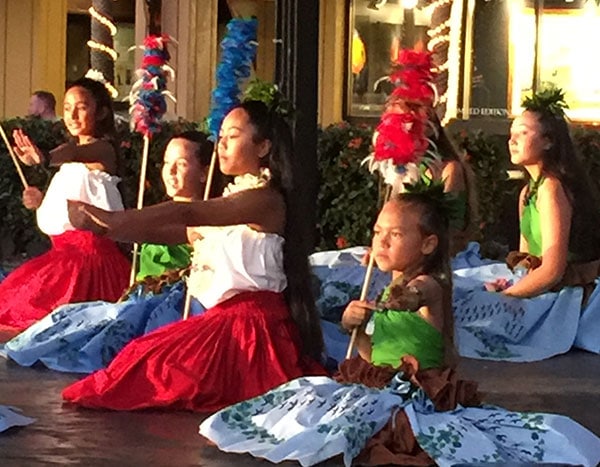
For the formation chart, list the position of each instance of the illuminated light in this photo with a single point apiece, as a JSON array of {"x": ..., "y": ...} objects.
[
  {"x": 103, "y": 48},
  {"x": 104, "y": 21},
  {"x": 409, "y": 4},
  {"x": 439, "y": 29},
  {"x": 440, "y": 3},
  {"x": 443, "y": 67},
  {"x": 435, "y": 41},
  {"x": 97, "y": 75}
]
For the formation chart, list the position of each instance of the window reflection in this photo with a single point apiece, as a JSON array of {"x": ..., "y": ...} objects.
[
  {"x": 379, "y": 29},
  {"x": 568, "y": 33}
]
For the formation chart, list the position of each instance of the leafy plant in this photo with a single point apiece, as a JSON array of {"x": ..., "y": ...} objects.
[
  {"x": 269, "y": 93},
  {"x": 347, "y": 202},
  {"x": 18, "y": 230}
]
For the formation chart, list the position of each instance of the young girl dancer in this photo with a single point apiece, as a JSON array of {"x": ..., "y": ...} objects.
[
  {"x": 559, "y": 247},
  {"x": 80, "y": 265},
  {"x": 558, "y": 208},
  {"x": 85, "y": 337},
  {"x": 399, "y": 402},
  {"x": 413, "y": 247},
  {"x": 249, "y": 269}
]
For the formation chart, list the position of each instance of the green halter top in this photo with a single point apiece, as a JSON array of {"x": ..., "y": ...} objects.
[
  {"x": 156, "y": 259},
  {"x": 400, "y": 333},
  {"x": 530, "y": 223}
]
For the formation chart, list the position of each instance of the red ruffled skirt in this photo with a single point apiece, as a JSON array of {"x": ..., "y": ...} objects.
[
  {"x": 79, "y": 267},
  {"x": 236, "y": 350}
]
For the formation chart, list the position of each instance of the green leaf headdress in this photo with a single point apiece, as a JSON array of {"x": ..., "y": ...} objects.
[
  {"x": 448, "y": 204},
  {"x": 549, "y": 100}
]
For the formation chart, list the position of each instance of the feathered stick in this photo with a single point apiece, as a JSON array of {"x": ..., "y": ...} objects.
[
  {"x": 14, "y": 158},
  {"x": 148, "y": 105},
  {"x": 399, "y": 142},
  {"x": 238, "y": 50}
]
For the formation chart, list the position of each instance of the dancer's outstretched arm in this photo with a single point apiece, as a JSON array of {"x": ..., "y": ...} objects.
[{"x": 262, "y": 208}]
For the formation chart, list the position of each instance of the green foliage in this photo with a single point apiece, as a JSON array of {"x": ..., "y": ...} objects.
[
  {"x": 267, "y": 92},
  {"x": 347, "y": 202},
  {"x": 18, "y": 231}
]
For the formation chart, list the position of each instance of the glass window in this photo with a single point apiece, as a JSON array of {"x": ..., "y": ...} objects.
[
  {"x": 489, "y": 73},
  {"x": 568, "y": 33},
  {"x": 378, "y": 29}
]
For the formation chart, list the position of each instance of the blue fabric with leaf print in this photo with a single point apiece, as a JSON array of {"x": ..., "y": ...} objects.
[
  {"x": 85, "y": 337},
  {"x": 493, "y": 326},
  {"x": 313, "y": 419}
]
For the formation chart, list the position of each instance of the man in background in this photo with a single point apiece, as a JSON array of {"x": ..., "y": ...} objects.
[{"x": 42, "y": 104}]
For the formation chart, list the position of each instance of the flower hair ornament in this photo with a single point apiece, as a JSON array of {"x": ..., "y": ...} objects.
[{"x": 550, "y": 100}]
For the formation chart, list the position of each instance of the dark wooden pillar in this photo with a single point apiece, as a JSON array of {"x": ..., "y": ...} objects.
[
  {"x": 296, "y": 73},
  {"x": 101, "y": 34}
]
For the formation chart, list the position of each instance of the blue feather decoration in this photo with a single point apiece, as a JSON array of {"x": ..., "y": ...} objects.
[{"x": 238, "y": 50}]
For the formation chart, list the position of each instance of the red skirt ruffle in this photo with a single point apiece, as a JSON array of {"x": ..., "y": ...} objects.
[
  {"x": 236, "y": 350},
  {"x": 79, "y": 267}
]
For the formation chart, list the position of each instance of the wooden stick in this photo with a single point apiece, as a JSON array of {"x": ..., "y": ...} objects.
[
  {"x": 14, "y": 158},
  {"x": 188, "y": 303},
  {"x": 140, "y": 204},
  {"x": 211, "y": 170},
  {"x": 363, "y": 296},
  {"x": 365, "y": 288}
]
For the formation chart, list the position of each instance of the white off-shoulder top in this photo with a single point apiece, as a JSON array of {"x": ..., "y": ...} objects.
[
  {"x": 233, "y": 259},
  {"x": 75, "y": 181}
]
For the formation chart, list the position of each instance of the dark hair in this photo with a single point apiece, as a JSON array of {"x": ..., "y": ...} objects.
[
  {"x": 434, "y": 221},
  {"x": 104, "y": 127},
  {"x": 282, "y": 165},
  {"x": 203, "y": 153},
  {"x": 204, "y": 148},
  {"x": 47, "y": 98},
  {"x": 560, "y": 160},
  {"x": 448, "y": 151}
]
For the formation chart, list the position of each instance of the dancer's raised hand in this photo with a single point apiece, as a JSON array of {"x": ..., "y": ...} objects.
[{"x": 25, "y": 149}]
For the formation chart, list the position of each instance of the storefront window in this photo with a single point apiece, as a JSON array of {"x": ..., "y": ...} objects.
[
  {"x": 567, "y": 37},
  {"x": 378, "y": 30},
  {"x": 490, "y": 57}
]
